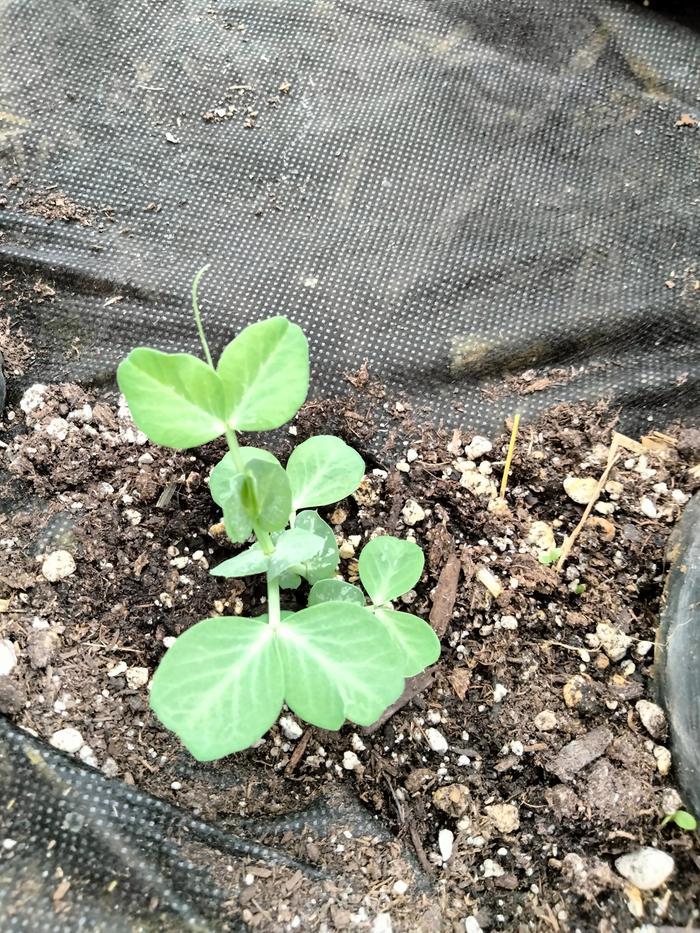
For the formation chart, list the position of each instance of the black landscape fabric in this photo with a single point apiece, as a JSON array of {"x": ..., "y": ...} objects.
[{"x": 492, "y": 202}]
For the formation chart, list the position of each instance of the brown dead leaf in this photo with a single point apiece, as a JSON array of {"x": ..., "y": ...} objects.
[{"x": 459, "y": 679}]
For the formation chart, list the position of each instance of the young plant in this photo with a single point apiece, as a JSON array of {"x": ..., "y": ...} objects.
[
  {"x": 222, "y": 684},
  {"x": 682, "y": 819}
]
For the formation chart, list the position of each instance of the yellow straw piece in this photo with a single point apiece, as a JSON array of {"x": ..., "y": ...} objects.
[{"x": 509, "y": 455}]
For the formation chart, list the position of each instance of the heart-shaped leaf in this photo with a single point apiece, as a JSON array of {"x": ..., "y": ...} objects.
[
  {"x": 339, "y": 663},
  {"x": 174, "y": 398},
  {"x": 416, "y": 640},
  {"x": 389, "y": 567},
  {"x": 226, "y": 471},
  {"x": 323, "y": 470},
  {"x": 258, "y": 497},
  {"x": 220, "y": 686},
  {"x": 335, "y": 591},
  {"x": 265, "y": 372},
  {"x": 324, "y": 562},
  {"x": 270, "y": 498}
]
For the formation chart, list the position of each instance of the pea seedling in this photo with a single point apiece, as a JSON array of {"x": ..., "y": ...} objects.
[{"x": 221, "y": 685}]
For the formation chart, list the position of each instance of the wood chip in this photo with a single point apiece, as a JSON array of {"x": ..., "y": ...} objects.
[
  {"x": 576, "y": 755},
  {"x": 445, "y": 596},
  {"x": 298, "y": 753},
  {"x": 414, "y": 686}
]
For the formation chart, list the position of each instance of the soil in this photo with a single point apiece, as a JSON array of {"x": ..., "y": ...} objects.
[{"x": 500, "y": 794}]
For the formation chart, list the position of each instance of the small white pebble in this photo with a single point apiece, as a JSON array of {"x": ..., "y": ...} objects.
[
  {"x": 57, "y": 565},
  {"x": 436, "y": 740},
  {"x": 8, "y": 657},
  {"x": 169, "y": 641},
  {"x": 357, "y": 743},
  {"x": 67, "y": 740},
  {"x": 291, "y": 728},
  {"x": 411, "y": 454},
  {"x": 9, "y": 844},
  {"x": 446, "y": 840},
  {"x": 400, "y": 887},
  {"x": 351, "y": 762},
  {"x": 499, "y": 692},
  {"x": 517, "y": 748},
  {"x": 647, "y": 507},
  {"x": 137, "y": 677},
  {"x": 119, "y": 668}
]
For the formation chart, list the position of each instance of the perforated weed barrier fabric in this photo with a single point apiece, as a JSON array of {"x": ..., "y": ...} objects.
[
  {"x": 492, "y": 203},
  {"x": 458, "y": 193}
]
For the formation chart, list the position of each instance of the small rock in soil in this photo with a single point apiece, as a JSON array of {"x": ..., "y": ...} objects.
[
  {"x": 472, "y": 925},
  {"x": 452, "y": 799},
  {"x": 291, "y": 728},
  {"x": 67, "y": 740},
  {"x": 505, "y": 816},
  {"x": 653, "y": 718},
  {"x": 671, "y": 801},
  {"x": 580, "y": 488},
  {"x": 351, "y": 762},
  {"x": 647, "y": 868},
  {"x": 57, "y": 565},
  {"x": 8, "y": 657},
  {"x": 580, "y": 693},
  {"x": 663, "y": 760},
  {"x": 446, "y": 839},
  {"x": 575, "y": 756},
  {"x": 436, "y": 740},
  {"x": 382, "y": 923},
  {"x": 41, "y": 647},
  {"x": 478, "y": 447},
  {"x": 546, "y": 721},
  {"x": 412, "y": 513},
  {"x": 137, "y": 677},
  {"x": 613, "y": 641}
]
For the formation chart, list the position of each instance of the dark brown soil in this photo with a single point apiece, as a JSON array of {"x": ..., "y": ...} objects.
[{"x": 534, "y": 823}]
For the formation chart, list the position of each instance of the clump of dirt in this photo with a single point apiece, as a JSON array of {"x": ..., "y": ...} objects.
[{"x": 517, "y": 770}]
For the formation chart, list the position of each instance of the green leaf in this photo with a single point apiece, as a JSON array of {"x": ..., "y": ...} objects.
[
  {"x": 291, "y": 546},
  {"x": 418, "y": 643},
  {"x": 265, "y": 372},
  {"x": 289, "y": 580},
  {"x": 237, "y": 519},
  {"x": 324, "y": 562},
  {"x": 174, "y": 398},
  {"x": 246, "y": 564},
  {"x": 268, "y": 498},
  {"x": 338, "y": 664},
  {"x": 323, "y": 470},
  {"x": 259, "y": 496},
  {"x": 220, "y": 686},
  {"x": 225, "y": 471},
  {"x": 685, "y": 820},
  {"x": 335, "y": 591},
  {"x": 550, "y": 557},
  {"x": 389, "y": 567}
]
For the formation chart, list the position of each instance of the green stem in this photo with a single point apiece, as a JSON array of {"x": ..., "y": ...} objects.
[
  {"x": 235, "y": 449},
  {"x": 198, "y": 317},
  {"x": 273, "y": 601}
]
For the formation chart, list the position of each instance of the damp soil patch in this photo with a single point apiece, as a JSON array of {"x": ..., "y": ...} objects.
[{"x": 513, "y": 774}]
